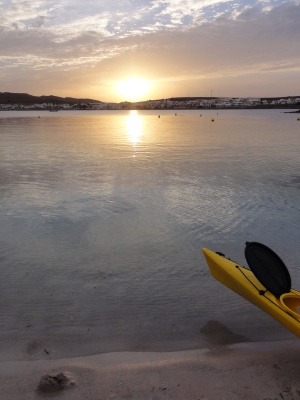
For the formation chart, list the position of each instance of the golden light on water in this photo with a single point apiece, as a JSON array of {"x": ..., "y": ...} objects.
[{"x": 134, "y": 127}]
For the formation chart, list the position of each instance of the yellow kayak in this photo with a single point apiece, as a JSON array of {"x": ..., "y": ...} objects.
[{"x": 243, "y": 281}]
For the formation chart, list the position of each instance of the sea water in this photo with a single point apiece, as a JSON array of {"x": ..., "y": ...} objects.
[{"x": 104, "y": 214}]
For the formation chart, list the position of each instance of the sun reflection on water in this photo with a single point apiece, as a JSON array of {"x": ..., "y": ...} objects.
[{"x": 134, "y": 127}]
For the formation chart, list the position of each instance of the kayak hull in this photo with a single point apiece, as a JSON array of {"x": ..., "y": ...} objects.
[{"x": 243, "y": 282}]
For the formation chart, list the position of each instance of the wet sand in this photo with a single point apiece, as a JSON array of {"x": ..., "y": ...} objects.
[{"x": 258, "y": 371}]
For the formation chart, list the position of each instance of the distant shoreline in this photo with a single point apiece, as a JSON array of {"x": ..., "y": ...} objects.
[
  {"x": 290, "y": 107},
  {"x": 24, "y": 101}
]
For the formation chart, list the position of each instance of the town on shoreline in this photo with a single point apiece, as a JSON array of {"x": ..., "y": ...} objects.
[{"x": 23, "y": 101}]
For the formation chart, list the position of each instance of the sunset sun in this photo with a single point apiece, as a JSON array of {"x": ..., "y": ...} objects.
[{"x": 133, "y": 89}]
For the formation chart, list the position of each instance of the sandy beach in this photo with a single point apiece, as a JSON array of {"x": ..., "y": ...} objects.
[{"x": 266, "y": 371}]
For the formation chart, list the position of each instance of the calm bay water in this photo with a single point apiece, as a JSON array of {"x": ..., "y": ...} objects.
[{"x": 104, "y": 214}]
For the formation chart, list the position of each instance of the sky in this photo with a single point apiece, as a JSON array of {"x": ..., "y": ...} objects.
[{"x": 117, "y": 50}]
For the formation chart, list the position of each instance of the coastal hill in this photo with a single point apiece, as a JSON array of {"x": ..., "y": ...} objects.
[{"x": 26, "y": 99}]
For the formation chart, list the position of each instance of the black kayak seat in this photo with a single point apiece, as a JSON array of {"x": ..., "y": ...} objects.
[{"x": 268, "y": 268}]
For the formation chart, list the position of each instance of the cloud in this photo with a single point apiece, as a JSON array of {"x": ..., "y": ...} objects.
[
  {"x": 166, "y": 41},
  {"x": 247, "y": 43},
  {"x": 22, "y": 14},
  {"x": 118, "y": 19}
]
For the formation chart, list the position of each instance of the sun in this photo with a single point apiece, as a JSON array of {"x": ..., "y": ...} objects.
[{"x": 133, "y": 89}]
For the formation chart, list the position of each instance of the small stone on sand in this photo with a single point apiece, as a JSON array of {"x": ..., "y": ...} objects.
[{"x": 54, "y": 383}]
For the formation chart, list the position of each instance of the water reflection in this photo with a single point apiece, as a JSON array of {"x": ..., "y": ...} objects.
[
  {"x": 71, "y": 195},
  {"x": 134, "y": 127}
]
